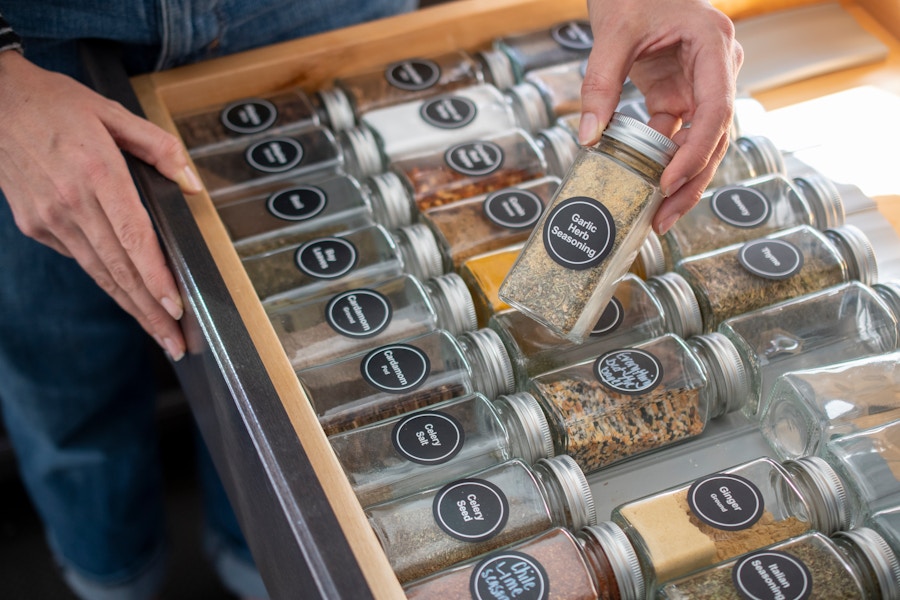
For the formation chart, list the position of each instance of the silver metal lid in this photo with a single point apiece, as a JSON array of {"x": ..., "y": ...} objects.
[
  {"x": 652, "y": 255},
  {"x": 884, "y": 561},
  {"x": 763, "y": 153},
  {"x": 622, "y": 558},
  {"x": 681, "y": 309},
  {"x": 529, "y": 106},
  {"x": 824, "y": 491},
  {"x": 857, "y": 250},
  {"x": 575, "y": 488},
  {"x": 559, "y": 148},
  {"x": 499, "y": 68},
  {"x": 364, "y": 147},
  {"x": 726, "y": 367},
  {"x": 453, "y": 303},
  {"x": 420, "y": 250},
  {"x": 391, "y": 202},
  {"x": 539, "y": 442},
  {"x": 642, "y": 138},
  {"x": 486, "y": 347},
  {"x": 823, "y": 198},
  {"x": 337, "y": 108}
]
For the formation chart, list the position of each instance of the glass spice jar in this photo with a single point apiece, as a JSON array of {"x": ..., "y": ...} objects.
[
  {"x": 747, "y": 157},
  {"x": 887, "y": 524},
  {"x": 483, "y": 275},
  {"x": 590, "y": 234},
  {"x": 723, "y": 515},
  {"x": 489, "y": 221},
  {"x": 742, "y": 277},
  {"x": 562, "y": 43},
  {"x": 851, "y": 565},
  {"x": 433, "y": 529},
  {"x": 559, "y": 147},
  {"x": 555, "y": 564},
  {"x": 336, "y": 263},
  {"x": 398, "y": 377},
  {"x": 840, "y": 323},
  {"x": 322, "y": 329},
  {"x": 559, "y": 86},
  {"x": 408, "y": 80},
  {"x": 809, "y": 407},
  {"x": 751, "y": 209},
  {"x": 652, "y": 258},
  {"x": 633, "y": 400},
  {"x": 424, "y": 448},
  {"x": 634, "y": 314}
]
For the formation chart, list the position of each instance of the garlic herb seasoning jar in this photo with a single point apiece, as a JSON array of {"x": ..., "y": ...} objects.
[
  {"x": 590, "y": 234},
  {"x": 563, "y": 43},
  {"x": 748, "y": 157},
  {"x": 430, "y": 530},
  {"x": 405, "y": 454},
  {"x": 322, "y": 329}
]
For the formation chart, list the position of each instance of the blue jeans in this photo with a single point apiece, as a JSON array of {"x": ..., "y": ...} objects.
[{"x": 76, "y": 388}]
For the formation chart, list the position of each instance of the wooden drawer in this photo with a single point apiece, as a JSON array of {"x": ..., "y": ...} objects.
[{"x": 306, "y": 530}]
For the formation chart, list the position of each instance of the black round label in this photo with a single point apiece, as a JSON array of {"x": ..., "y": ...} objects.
[
  {"x": 726, "y": 502},
  {"x": 471, "y": 510},
  {"x": 448, "y": 112},
  {"x": 428, "y": 438},
  {"x": 628, "y": 371},
  {"x": 609, "y": 321},
  {"x": 513, "y": 208},
  {"x": 772, "y": 575},
  {"x": 359, "y": 313},
  {"x": 771, "y": 259},
  {"x": 298, "y": 203},
  {"x": 413, "y": 75},
  {"x": 509, "y": 574},
  {"x": 275, "y": 155},
  {"x": 249, "y": 116},
  {"x": 579, "y": 233},
  {"x": 474, "y": 158},
  {"x": 326, "y": 258},
  {"x": 395, "y": 369},
  {"x": 574, "y": 35},
  {"x": 740, "y": 206}
]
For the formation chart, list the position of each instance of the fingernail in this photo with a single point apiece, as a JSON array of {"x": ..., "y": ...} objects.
[
  {"x": 666, "y": 224},
  {"x": 188, "y": 180},
  {"x": 175, "y": 351},
  {"x": 675, "y": 187},
  {"x": 589, "y": 129},
  {"x": 173, "y": 307}
]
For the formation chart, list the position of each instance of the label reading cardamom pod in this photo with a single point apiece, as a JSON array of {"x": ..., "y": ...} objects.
[
  {"x": 274, "y": 156},
  {"x": 726, "y": 502},
  {"x": 513, "y": 208},
  {"x": 471, "y": 510},
  {"x": 413, "y": 75},
  {"x": 249, "y": 116},
  {"x": 579, "y": 233},
  {"x": 741, "y": 206},
  {"x": 448, "y": 112},
  {"x": 326, "y": 258},
  {"x": 359, "y": 313},
  {"x": 395, "y": 369},
  {"x": 609, "y": 321},
  {"x": 771, "y": 259},
  {"x": 772, "y": 575},
  {"x": 509, "y": 574},
  {"x": 474, "y": 158},
  {"x": 629, "y": 371},
  {"x": 574, "y": 35},
  {"x": 428, "y": 438},
  {"x": 299, "y": 203}
]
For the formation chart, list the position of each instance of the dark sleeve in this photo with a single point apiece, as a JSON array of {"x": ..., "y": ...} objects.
[{"x": 9, "y": 39}]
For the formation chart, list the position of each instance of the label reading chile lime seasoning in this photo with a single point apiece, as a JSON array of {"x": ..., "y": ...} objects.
[
  {"x": 428, "y": 438},
  {"x": 248, "y": 116},
  {"x": 509, "y": 574},
  {"x": 740, "y": 206},
  {"x": 413, "y": 75},
  {"x": 772, "y": 575},
  {"x": 448, "y": 112},
  {"x": 471, "y": 510},
  {"x": 628, "y": 371},
  {"x": 275, "y": 156},
  {"x": 726, "y": 502},
  {"x": 513, "y": 208},
  {"x": 299, "y": 203},
  {"x": 326, "y": 258},
  {"x": 771, "y": 259},
  {"x": 359, "y": 313},
  {"x": 474, "y": 158},
  {"x": 609, "y": 321},
  {"x": 574, "y": 35},
  {"x": 395, "y": 369},
  {"x": 579, "y": 233}
]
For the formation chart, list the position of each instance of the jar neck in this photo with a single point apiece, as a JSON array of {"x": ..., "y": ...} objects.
[
  {"x": 567, "y": 491},
  {"x": 630, "y": 157},
  {"x": 824, "y": 492},
  {"x": 492, "y": 370},
  {"x": 419, "y": 251},
  {"x": 527, "y": 427},
  {"x": 877, "y": 564},
  {"x": 728, "y": 377},
  {"x": 613, "y": 560},
  {"x": 452, "y": 303}
]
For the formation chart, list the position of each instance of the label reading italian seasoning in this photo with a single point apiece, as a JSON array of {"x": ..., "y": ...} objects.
[
  {"x": 448, "y": 112},
  {"x": 299, "y": 203},
  {"x": 513, "y": 208},
  {"x": 275, "y": 156},
  {"x": 249, "y": 116},
  {"x": 474, "y": 158},
  {"x": 740, "y": 206},
  {"x": 395, "y": 369},
  {"x": 609, "y": 321},
  {"x": 326, "y": 258},
  {"x": 413, "y": 75},
  {"x": 574, "y": 35},
  {"x": 771, "y": 259},
  {"x": 509, "y": 574},
  {"x": 471, "y": 510},
  {"x": 359, "y": 313},
  {"x": 628, "y": 371},
  {"x": 579, "y": 233},
  {"x": 772, "y": 575},
  {"x": 428, "y": 438},
  {"x": 726, "y": 502}
]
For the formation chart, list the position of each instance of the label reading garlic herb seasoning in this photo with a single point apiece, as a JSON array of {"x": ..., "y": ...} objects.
[
  {"x": 513, "y": 208},
  {"x": 574, "y": 35},
  {"x": 629, "y": 371},
  {"x": 326, "y": 258},
  {"x": 609, "y": 321},
  {"x": 275, "y": 156},
  {"x": 413, "y": 75},
  {"x": 448, "y": 112},
  {"x": 471, "y": 510},
  {"x": 771, "y": 259},
  {"x": 474, "y": 158},
  {"x": 772, "y": 575},
  {"x": 740, "y": 206},
  {"x": 299, "y": 203},
  {"x": 359, "y": 313},
  {"x": 428, "y": 438},
  {"x": 249, "y": 116},
  {"x": 726, "y": 502},
  {"x": 579, "y": 233},
  {"x": 509, "y": 574},
  {"x": 395, "y": 369}
]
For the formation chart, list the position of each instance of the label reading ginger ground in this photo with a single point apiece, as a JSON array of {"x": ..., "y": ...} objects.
[
  {"x": 726, "y": 502},
  {"x": 579, "y": 233}
]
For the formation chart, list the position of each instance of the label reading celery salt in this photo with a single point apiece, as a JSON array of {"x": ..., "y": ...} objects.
[{"x": 428, "y": 438}]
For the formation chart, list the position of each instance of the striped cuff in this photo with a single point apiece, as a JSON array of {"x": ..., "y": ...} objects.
[{"x": 9, "y": 39}]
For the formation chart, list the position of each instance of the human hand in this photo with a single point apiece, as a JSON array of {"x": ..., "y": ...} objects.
[
  {"x": 69, "y": 188},
  {"x": 683, "y": 57}
]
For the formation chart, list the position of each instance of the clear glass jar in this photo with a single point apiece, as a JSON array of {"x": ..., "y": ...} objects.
[
  {"x": 723, "y": 515},
  {"x": 652, "y": 259},
  {"x": 850, "y": 565},
  {"x": 340, "y": 262},
  {"x": 570, "y": 566},
  {"x": 396, "y": 378},
  {"x": 408, "y": 80},
  {"x": 559, "y": 147},
  {"x": 634, "y": 314},
  {"x": 748, "y": 157},
  {"x": 590, "y": 234},
  {"x": 840, "y": 323},
  {"x": 425, "y": 448},
  {"x": 887, "y": 524},
  {"x": 809, "y": 407},
  {"x": 563, "y": 43},
  {"x": 433, "y": 529},
  {"x": 483, "y": 275},
  {"x": 786, "y": 264},
  {"x": 322, "y": 329},
  {"x": 487, "y": 222},
  {"x": 751, "y": 209},
  {"x": 634, "y": 400},
  {"x": 559, "y": 86}
]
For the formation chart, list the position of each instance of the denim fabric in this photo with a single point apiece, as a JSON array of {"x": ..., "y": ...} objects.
[{"x": 76, "y": 391}]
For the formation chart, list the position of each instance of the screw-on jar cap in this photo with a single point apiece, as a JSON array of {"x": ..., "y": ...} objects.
[
  {"x": 621, "y": 556},
  {"x": 559, "y": 148},
  {"x": 823, "y": 198},
  {"x": 825, "y": 492},
  {"x": 763, "y": 153},
  {"x": 726, "y": 367},
  {"x": 420, "y": 250},
  {"x": 642, "y": 138},
  {"x": 337, "y": 108},
  {"x": 652, "y": 255},
  {"x": 529, "y": 106},
  {"x": 539, "y": 442},
  {"x": 364, "y": 147},
  {"x": 857, "y": 250},
  {"x": 499, "y": 68},
  {"x": 391, "y": 202},
  {"x": 680, "y": 307},
  {"x": 885, "y": 562},
  {"x": 575, "y": 488},
  {"x": 453, "y": 303},
  {"x": 487, "y": 348}
]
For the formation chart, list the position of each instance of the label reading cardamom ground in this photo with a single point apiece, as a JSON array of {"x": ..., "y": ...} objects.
[
  {"x": 428, "y": 438},
  {"x": 509, "y": 574},
  {"x": 574, "y": 35},
  {"x": 772, "y": 575},
  {"x": 448, "y": 112},
  {"x": 579, "y": 233},
  {"x": 771, "y": 259},
  {"x": 395, "y": 369},
  {"x": 274, "y": 156},
  {"x": 326, "y": 258},
  {"x": 359, "y": 313},
  {"x": 629, "y": 371},
  {"x": 726, "y": 502},
  {"x": 474, "y": 158},
  {"x": 609, "y": 321},
  {"x": 471, "y": 510},
  {"x": 413, "y": 75},
  {"x": 299, "y": 203},
  {"x": 741, "y": 206},
  {"x": 249, "y": 116},
  {"x": 513, "y": 208}
]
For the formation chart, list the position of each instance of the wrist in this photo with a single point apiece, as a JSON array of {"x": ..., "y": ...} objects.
[{"x": 9, "y": 39}]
